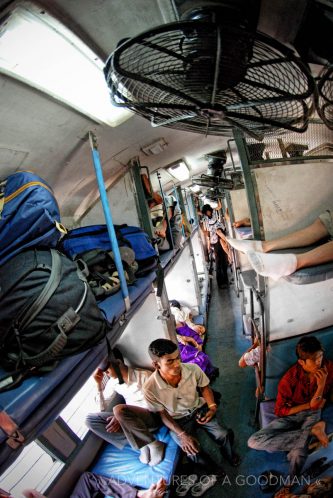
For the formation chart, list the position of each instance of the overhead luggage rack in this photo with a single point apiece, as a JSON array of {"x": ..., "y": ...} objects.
[{"x": 315, "y": 143}]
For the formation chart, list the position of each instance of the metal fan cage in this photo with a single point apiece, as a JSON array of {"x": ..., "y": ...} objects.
[
  {"x": 207, "y": 78},
  {"x": 315, "y": 143},
  {"x": 324, "y": 103}
]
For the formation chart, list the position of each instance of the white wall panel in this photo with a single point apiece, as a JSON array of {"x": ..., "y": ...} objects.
[
  {"x": 298, "y": 309},
  {"x": 292, "y": 196},
  {"x": 143, "y": 328},
  {"x": 180, "y": 281},
  {"x": 122, "y": 204}
]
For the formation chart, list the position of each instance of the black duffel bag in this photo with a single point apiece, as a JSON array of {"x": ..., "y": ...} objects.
[{"x": 47, "y": 311}]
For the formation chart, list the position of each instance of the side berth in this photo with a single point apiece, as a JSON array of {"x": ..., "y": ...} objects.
[{"x": 125, "y": 464}]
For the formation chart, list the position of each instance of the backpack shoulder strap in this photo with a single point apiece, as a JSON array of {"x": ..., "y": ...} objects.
[{"x": 49, "y": 289}]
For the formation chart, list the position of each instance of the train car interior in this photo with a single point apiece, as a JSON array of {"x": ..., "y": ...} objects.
[{"x": 121, "y": 121}]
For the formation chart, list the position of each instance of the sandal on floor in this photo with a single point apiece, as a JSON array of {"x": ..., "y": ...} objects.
[
  {"x": 270, "y": 480},
  {"x": 206, "y": 482},
  {"x": 312, "y": 471},
  {"x": 186, "y": 484}
]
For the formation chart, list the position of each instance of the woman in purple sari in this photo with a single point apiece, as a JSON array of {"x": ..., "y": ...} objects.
[{"x": 190, "y": 345}]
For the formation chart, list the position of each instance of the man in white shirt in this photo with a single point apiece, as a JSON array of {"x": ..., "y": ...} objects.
[
  {"x": 172, "y": 391},
  {"x": 119, "y": 422}
]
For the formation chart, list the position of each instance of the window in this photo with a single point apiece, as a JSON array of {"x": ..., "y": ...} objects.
[
  {"x": 40, "y": 51},
  {"x": 34, "y": 468},
  {"x": 75, "y": 412}
]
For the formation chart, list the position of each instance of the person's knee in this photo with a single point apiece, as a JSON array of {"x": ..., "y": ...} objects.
[
  {"x": 120, "y": 411},
  {"x": 91, "y": 419}
]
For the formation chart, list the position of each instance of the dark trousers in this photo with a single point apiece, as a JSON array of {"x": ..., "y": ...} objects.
[
  {"x": 218, "y": 433},
  {"x": 291, "y": 434},
  {"x": 221, "y": 264},
  {"x": 137, "y": 425},
  {"x": 95, "y": 486}
]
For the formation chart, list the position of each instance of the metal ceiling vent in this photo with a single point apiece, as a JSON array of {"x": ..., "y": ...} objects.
[
  {"x": 210, "y": 72},
  {"x": 324, "y": 103}
]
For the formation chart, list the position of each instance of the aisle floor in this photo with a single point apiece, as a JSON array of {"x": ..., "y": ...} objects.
[{"x": 225, "y": 344}]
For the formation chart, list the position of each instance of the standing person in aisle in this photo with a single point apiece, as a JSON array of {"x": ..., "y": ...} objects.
[{"x": 215, "y": 237}]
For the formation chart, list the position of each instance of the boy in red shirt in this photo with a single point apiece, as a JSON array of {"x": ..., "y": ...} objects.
[{"x": 302, "y": 393}]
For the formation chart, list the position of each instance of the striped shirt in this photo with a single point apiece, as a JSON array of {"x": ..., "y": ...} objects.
[{"x": 211, "y": 225}]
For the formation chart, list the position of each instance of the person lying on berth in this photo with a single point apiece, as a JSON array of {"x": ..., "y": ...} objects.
[
  {"x": 132, "y": 422},
  {"x": 92, "y": 485},
  {"x": 280, "y": 265},
  {"x": 190, "y": 341},
  {"x": 302, "y": 393},
  {"x": 172, "y": 391},
  {"x": 183, "y": 317}
]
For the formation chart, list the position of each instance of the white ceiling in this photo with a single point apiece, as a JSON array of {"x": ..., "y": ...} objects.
[{"x": 40, "y": 134}]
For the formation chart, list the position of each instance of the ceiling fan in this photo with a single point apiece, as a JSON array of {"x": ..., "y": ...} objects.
[
  {"x": 210, "y": 72},
  {"x": 324, "y": 102}
]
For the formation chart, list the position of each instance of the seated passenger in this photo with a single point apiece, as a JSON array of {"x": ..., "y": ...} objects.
[
  {"x": 119, "y": 423},
  {"x": 183, "y": 317},
  {"x": 175, "y": 219},
  {"x": 92, "y": 485},
  {"x": 172, "y": 391},
  {"x": 157, "y": 214},
  {"x": 251, "y": 357},
  {"x": 160, "y": 215},
  {"x": 280, "y": 265},
  {"x": 302, "y": 393}
]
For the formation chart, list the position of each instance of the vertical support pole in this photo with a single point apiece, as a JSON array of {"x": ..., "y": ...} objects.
[
  {"x": 194, "y": 266},
  {"x": 248, "y": 180},
  {"x": 180, "y": 200},
  {"x": 230, "y": 208},
  {"x": 164, "y": 307},
  {"x": 142, "y": 202},
  {"x": 194, "y": 210},
  {"x": 235, "y": 261},
  {"x": 108, "y": 217},
  {"x": 166, "y": 210}
]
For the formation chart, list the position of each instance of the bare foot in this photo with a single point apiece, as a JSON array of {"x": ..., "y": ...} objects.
[
  {"x": 283, "y": 493},
  {"x": 155, "y": 490},
  {"x": 318, "y": 430}
]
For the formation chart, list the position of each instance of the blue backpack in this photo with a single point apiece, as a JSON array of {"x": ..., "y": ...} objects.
[
  {"x": 29, "y": 215},
  {"x": 83, "y": 239}
]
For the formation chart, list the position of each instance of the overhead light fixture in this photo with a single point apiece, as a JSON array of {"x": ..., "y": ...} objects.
[
  {"x": 179, "y": 171},
  {"x": 195, "y": 188},
  {"x": 40, "y": 51}
]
